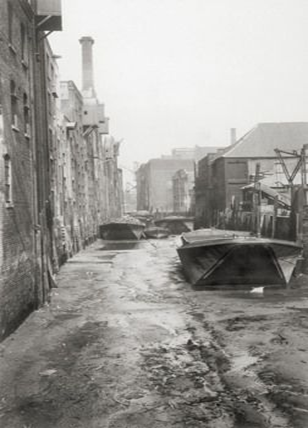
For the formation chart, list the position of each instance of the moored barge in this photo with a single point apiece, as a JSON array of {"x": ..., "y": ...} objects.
[
  {"x": 122, "y": 229},
  {"x": 176, "y": 224},
  {"x": 155, "y": 232},
  {"x": 220, "y": 257}
]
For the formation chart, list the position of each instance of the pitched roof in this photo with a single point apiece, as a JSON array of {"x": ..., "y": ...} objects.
[{"x": 261, "y": 141}]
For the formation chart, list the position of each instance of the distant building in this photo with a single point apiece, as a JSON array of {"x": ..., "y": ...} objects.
[
  {"x": 183, "y": 184},
  {"x": 155, "y": 185},
  {"x": 221, "y": 177},
  {"x": 130, "y": 198},
  {"x": 196, "y": 152},
  {"x": 203, "y": 191}
]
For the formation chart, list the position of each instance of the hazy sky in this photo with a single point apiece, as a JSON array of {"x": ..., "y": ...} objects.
[{"x": 176, "y": 73}]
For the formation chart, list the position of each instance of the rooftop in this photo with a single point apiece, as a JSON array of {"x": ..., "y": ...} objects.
[{"x": 262, "y": 140}]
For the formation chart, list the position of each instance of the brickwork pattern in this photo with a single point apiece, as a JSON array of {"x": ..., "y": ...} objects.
[{"x": 17, "y": 264}]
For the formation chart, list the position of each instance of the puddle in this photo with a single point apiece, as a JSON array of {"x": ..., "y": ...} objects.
[
  {"x": 120, "y": 246},
  {"x": 199, "y": 316},
  {"x": 107, "y": 258},
  {"x": 87, "y": 262}
]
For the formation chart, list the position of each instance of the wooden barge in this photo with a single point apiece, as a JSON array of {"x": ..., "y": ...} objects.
[{"x": 221, "y": 257}]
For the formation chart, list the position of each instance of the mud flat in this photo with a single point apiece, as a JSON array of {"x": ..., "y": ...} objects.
[{"x": 127, "y": 342}]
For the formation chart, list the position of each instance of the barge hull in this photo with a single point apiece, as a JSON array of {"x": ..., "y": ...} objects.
[
  {"x": 121, "y": 231},
  {"x": 234, "y": 262}
]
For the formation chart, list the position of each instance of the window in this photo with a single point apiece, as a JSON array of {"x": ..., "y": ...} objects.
[
  {"x": 26, "y": 115},
  {"x": 14, "y": 106},
  {"x": 10, "y": 23},
  {"x": 8, "y": 180},
  {"x": 24, "y": 45},
  {"x": 23, "y": 40},
  {"x": 49, "y": 103}
]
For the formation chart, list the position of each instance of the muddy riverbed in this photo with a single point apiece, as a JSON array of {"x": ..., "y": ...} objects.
[{"x": 126, "y": 342}]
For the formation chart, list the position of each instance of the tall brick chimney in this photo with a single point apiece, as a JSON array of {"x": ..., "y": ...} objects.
[{"x": 87, "y": 64}]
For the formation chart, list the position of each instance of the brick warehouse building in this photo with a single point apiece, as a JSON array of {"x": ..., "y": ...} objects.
[
  {"x": 87, "y": 182},
  {"x": 69, "y": 181},
  {"x": 103, "y": 149},
  {"x": 59, "y": 177},
  {"x": 222, "y": 176},
  {"x": 24, "y": 211}
]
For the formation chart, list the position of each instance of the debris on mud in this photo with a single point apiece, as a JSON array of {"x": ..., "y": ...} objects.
[{"x": 126, "y": 342}]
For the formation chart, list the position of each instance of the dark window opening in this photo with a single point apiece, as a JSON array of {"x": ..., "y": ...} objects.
[
  {"x": 23, "y": 41},
  {"x": 26, "y": 115},
  {"x": 10, "y": 23},
  {"x": 14, "y": 105},
  {"x": 7, "y": 179}
]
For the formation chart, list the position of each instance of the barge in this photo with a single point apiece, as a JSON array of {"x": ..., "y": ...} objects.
[
  {"x": 176, "y": 224},
  {"x": 221, "y": 257},
  {"x": 122, "y": 229}
]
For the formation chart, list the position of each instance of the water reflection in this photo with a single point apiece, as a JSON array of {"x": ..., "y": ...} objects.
[{"x": 120, "y": 245}]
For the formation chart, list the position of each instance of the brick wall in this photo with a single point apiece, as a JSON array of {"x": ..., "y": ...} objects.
[
  {"x": 54, "y": 182},
  {"x": 17, "y": 218}
]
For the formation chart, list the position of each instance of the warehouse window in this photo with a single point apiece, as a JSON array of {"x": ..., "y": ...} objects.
[
  {"x": 26, "y": 115},
  {"x": 8, "y": 180},
  {"x": 14, "y": 106},
  {"x": 10, "y": 23},
  {"x": 24, "y": 45},
  {"x": 23, "y": 40}
]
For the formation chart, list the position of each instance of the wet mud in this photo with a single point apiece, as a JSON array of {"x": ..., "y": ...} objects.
[{"x": 127, "y": 342}]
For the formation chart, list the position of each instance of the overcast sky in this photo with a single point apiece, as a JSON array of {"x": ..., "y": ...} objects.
[{"x": 177, "y": 73}]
